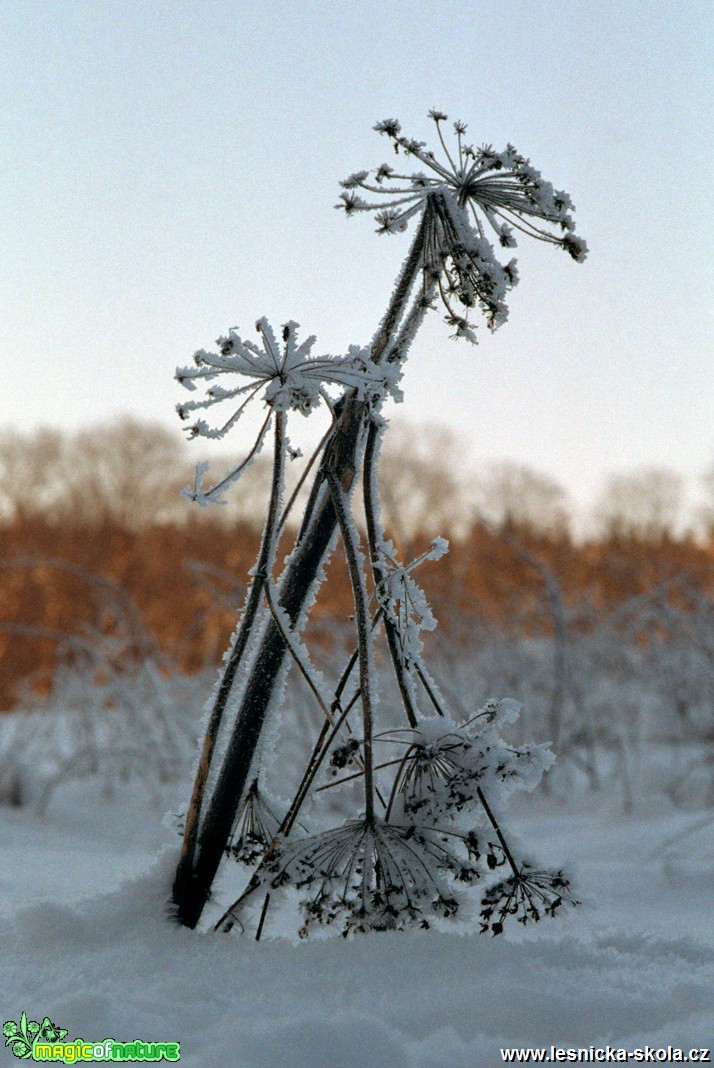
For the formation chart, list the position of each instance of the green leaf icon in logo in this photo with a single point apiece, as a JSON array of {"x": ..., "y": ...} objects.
[{"x": 21, "y": 1038}]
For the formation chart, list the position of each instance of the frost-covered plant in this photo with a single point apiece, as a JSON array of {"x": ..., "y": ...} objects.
[
  {"x": 430, "y": 793},
  {"x": 471, "y": 192},
  {"x": 132, "y": 724},
  {"x": 288, "y": 376},
  {"x": 436, "y": 835}
]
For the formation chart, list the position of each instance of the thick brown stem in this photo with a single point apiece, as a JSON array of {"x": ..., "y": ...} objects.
[{"x": 266, "y": 556}]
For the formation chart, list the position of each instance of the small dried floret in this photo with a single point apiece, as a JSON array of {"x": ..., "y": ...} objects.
[
  {"x": 575, "y": 247},
  {"x": 389, "y": 222},
  {"x": 390, "y": 127},
  {"x": 344, "y": 755},
  {"x": 351, "y": 203},
  {"x": 355, "y": 179},
  {"x": 438, "y": 548},
  {"x": 528, "y": 896},
  {"x": 462, "y": 327}
]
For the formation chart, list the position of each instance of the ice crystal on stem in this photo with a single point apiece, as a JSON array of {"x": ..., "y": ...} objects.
[
  {"x": 403, "y": 599},
  {"x": 445, "y": 767}
]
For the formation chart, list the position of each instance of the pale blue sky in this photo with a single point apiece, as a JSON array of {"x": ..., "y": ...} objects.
[{"x": 170, "y": 169}]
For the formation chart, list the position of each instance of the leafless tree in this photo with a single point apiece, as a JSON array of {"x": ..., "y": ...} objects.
[
  {"x": 643, "y": 504},
  {"x": 421, "y": 492},
  {"x": 32, "y": 471},
  {"x": 707, "y": 510},
  {"x": 518, "y": 497},
  {"x": 128, "y": 472}
]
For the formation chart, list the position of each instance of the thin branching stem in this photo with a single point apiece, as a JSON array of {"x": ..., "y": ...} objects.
[
  {"x": 318, "y": 755},
  {"x": 263, "y": 914},
  {"x": 374, "y": 537},
  {"x": 358, "y": 775},
  {"x": 424, "y": 679},
  {"x": 499, "y": 833},
  {"x": 397, "y": 779},
  {"x": 233, "y": 475},
  {"x": 328, "y": 733},
  {"x": 301, "y": 481},
  {"x": 298, "y": 656},
  {"x": 364, "y": 641},
  {"x": 324, "y": 741}
]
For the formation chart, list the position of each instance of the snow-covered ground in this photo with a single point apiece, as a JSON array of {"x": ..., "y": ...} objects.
[{"x": 85, "y": 940}]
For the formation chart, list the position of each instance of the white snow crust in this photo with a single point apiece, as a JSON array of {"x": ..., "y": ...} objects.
[{"x": 86, "y": 940}]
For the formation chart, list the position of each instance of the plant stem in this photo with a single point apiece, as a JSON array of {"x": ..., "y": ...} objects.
[
  {"x": 263, "y": 914},
  {"x": 374, "y": 538},
  {"x": 295, "y": 653},
  {"x": 364, "y": 639},
  {"x": 266, "y": 557},
  {"x": 499, "y": 833},
  {"x": 301, "y": 481}
]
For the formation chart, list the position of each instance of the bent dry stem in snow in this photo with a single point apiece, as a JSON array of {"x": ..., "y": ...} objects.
[{"x": 400, "y": 859}]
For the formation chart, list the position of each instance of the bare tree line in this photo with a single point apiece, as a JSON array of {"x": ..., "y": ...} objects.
[{"x": 131, "y": 473}]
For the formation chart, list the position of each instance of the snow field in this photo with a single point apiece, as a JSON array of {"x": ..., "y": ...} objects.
[{"x": 633, "y": 965}]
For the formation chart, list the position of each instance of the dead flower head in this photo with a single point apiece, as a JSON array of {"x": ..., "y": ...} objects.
[{"x": 466, "y": 193}]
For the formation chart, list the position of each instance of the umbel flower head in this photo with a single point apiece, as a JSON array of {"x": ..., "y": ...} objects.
[
  {"x": 370, "y": 875},
  {"x": 446, "y": 766},
  {"x": 288, "y": 376},
  {"x": 253, "y": 829},
  {"x": 467, "y": 194},
  {"x": 528, "y": 895}
]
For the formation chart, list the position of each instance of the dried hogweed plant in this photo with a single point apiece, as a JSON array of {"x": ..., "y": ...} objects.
[{"x": 431, "y": 790}]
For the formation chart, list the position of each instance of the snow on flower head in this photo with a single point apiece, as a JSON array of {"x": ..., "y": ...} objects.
[
  {"x": 286, "y": 373},
  {"x": 446, "y": 765},
  {"x": 466, "y": 195},
  {"x": 287, "y": 376},
  {"x": 438, "y": 548}
]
